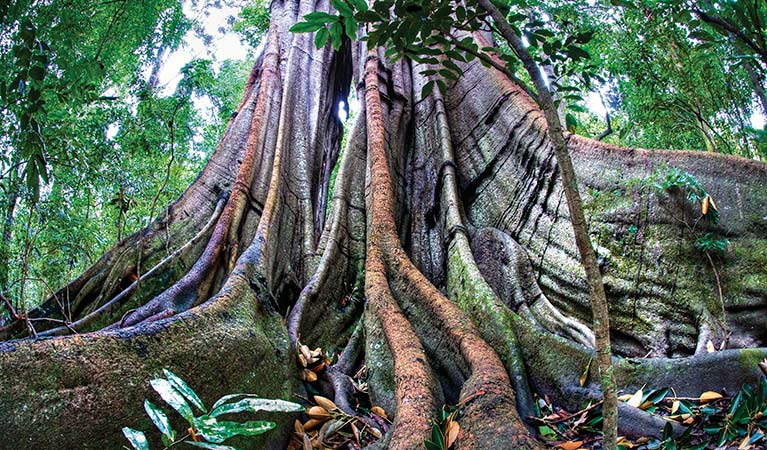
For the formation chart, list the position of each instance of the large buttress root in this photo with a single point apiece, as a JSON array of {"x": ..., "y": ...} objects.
[{"x": 489, "y": 415}]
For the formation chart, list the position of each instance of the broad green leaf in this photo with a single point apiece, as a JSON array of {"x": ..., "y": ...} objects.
[
  {"x": 448, "y": 74},
  {"x": 218, "y": 431},
  {"x": 350, "y": 26},
  {"x": 226, "y": 398},
  {"x": 321, "y": 17},
  {"x": 436, "y": 435},
  {"x": 305, "y": 27},
  {"x": 571, "y": 123},
  {"x": 161, "y": 421},
  {"x": 361, "y": 5},
  {"x": 342, "y": 7},
  {"x": 256, "y": 404},
  {"x": 432, "y": 446},
  {"x": 336, "y": 36},
  {"x": 136, "y": 438},
  {"x": 321, "y": 38},
  {"x": 427, "y": 88},
  {"x": 173, "y": 398},
  {"x": 184, "y": 389},
  {"x": 442, "y": 87}
]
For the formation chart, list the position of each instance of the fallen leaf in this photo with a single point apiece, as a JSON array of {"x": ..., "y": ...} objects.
[
  {"x": 585, "y": 374},
  {"x": 378, "y": 411},
  {"x": 312, "y": 424},
  {"x": 452, "y": 433},
  {"x": 636, "y": 399},
  {"x": 710, "y": 346},
  {"x": 674, "y": 406},
  {"x": 709, "y": 396},
  {"x": 625, "y": 443},
  {"x": 318, "y": 413},
  {"x": 744, "y": 445},
  {"x": 646, "y": 405},
  {"x": 570, "y": 445},
  {"x": 704, "y": 205},
  {"x": 325, "y": 402}
]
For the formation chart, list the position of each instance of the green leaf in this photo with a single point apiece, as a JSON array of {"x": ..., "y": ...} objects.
[
  {"x": 33, "y": 180},
  {"x": 452, "y": 66},
  {"x": 161, "y": 421},
  {"x": 571, "y": 123},
  {"x": 226, "y": 398},
  {"x": 342, "y": 7},
  {"x": 210, "y": 446},
  {"x": 575, "y": 52},
  {"x": 336, "y": 36},
  {"x": 350, "y": 26},
  {"x": 361, "y": 5},
  {"x": 181, "y": 386},
  {"x": 432, "y": 446},
  {"x": 136, "y": 438},
  {"x": 442, "y": 87},
  {"x": 321, "y": 38},
  {"x": 427, "y": 88},
  {"x": 218, "y": 431},
  {"x": 256, "y": 404},
  {"x": 305, "y": 27},
  {"x": 448, "y": 74},
  {"x": 173, "y": 398},
  {"x": 321, "y": 17},
  {"x": 436, "y": 435},
  {"x": 656, "y": 395},
  {"x": 368, "y": 16}
]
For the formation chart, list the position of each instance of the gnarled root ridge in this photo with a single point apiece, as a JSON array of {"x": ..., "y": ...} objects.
[{"x": 444, "y": 252}]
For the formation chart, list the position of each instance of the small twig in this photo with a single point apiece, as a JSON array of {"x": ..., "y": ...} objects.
[
  {"x": 10, "y": 307},
  {"x": 565, "y": 419}
]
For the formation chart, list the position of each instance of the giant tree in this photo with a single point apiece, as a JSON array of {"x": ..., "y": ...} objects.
[{"x": 447, "y": 213}]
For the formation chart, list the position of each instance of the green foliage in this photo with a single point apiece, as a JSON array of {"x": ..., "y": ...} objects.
[
  {"x": 428, "y": 33},
  {"x": 710, "y": 242},
  {"x": 206, "y": 430},
  {"x": 91, "y": 147},
  {"x": 673, "y": 81},
  {"x": 253, "y": 22},
  {"x": 675, "y": 180}
]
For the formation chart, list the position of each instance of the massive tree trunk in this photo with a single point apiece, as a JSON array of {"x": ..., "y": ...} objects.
[{"x": 448, "y": 213}]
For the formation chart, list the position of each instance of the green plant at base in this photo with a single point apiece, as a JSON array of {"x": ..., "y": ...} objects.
[
  {"x": 709, "y": 242},
  {"x": 206, "y": 430}
]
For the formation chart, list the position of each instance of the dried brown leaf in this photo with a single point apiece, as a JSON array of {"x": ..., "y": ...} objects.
[
  {"x": 377, "y": 410},
  {"x": 452, "y": 432},
  {"x": 709, "y": 396}
]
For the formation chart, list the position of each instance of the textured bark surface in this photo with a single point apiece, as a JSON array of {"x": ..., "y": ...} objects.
[{"x": 447, "y": 216}]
